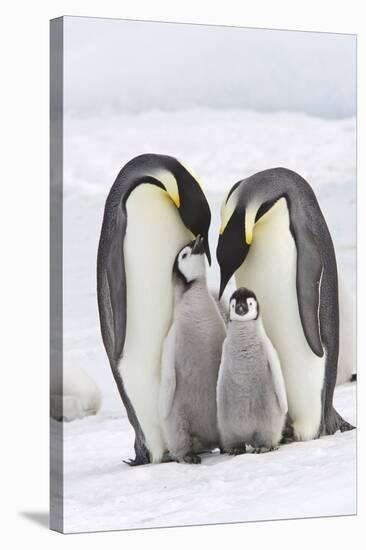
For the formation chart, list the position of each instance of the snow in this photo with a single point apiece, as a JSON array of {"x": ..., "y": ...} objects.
[
  {"x": 316, "y": 478},
  {"x": 221, "y": 147}
]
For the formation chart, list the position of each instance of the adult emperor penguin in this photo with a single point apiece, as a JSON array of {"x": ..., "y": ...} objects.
[
  {"x": 154, "y": 207},
  {"x": 275, "y": 239},
  {"x": 190, "y": 360},
  {"x": 251, "y": 393}
]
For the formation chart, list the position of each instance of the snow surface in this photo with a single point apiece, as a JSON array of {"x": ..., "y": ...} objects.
[
  {"x": 221, "y": 147},
  {"x": 316, "y": 478}
]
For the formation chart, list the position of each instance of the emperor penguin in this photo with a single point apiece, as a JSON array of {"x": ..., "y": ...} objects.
[
  {"x": 274, "y": 238},
  {"x": 251, "y": 393},
  {"x": 191, "y": 359},
  {"x": 154, "y": 207}
]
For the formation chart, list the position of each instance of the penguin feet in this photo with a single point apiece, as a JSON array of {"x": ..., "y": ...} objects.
[
  {"x": 343, "y": 425},
  {"x": 287, "y": 440},
  {"x": 167, "y": 457},
  {"x": 191, "y": 458},
  {"x": 288, "y": 435},
  {"x": 335, "y": 422},
  {"x": 142, "y": 455},
  {"x": 260, "y": 450},
  {"x": 235, "y": 451},
  {"x": 346, "y": 426},
  {"x": 136, "y": 461}
]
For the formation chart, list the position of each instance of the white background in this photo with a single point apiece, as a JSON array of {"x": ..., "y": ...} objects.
[{"x": 24, "y": 247}]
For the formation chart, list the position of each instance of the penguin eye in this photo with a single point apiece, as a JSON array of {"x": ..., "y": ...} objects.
[{"x": 184, "y": 255}]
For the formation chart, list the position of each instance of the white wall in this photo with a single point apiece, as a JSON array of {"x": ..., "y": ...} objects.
[{"x": 132, "y": 66}]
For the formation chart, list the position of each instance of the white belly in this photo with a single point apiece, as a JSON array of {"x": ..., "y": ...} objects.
[
  {"x": 270, "y": 271},
  {"x": 154, "y": 235}
]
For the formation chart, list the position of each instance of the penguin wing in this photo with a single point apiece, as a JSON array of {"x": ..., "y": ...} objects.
[
  {"x": 111, "y": 279},
  {"x": 168, "y": 376},
  {"x": 276, "y": 371},
  {"x": 308, "y": 282}
]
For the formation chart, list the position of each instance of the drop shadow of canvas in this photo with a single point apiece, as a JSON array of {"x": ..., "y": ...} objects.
[{"x": 39, "y": 518}]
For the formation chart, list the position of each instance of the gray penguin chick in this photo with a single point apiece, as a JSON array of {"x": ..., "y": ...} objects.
[
  {"x": 251, "y": 394},
  {"x": 190, "y": 361}
]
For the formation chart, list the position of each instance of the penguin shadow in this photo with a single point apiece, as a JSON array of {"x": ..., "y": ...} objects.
[{"x": 39, "y": 518}]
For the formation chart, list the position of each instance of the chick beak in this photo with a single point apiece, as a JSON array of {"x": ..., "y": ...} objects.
[{"x": 198, "y": 247}]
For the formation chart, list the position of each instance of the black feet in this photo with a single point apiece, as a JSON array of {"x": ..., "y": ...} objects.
[
  {"x": 335, "y": 422},
  {"x": 260, "y": 450},
  {"x": 192, "y": 458},
  {"x": 142, "y": 455},
  {"x": 346, "y": 426},
  {"x": 167, "y": 457},
  {"x": 235, "y": 451},
  {"x": 288, "y": 435},
  {"x": 138, "y": 461}
]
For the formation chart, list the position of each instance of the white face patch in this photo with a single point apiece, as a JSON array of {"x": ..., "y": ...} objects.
[
  {"x": 250, "y": 315},
  {"x": 192, "y": 266}
]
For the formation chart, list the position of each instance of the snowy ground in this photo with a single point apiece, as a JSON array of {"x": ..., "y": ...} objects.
[
  {"x": 316, "y": 478},
  {"x": 221, "y": 147}
]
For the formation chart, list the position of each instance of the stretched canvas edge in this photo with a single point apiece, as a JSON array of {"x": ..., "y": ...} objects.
[{"x": 56, "y": 244}]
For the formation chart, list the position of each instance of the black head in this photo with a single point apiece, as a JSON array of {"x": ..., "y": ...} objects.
[
  {"x": 231, "y": 249},
  {"x": 180, "y": 185},
  {"x": 243, "y": 305},
  {"x": 194, "y": 209},
  {"x": 248, "y": 201}
]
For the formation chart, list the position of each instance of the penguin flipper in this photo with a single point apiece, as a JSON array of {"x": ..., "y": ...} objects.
[
  {"x": 112, "y": 284},
  {"x": 308, "y": 284},
  {"x": 168, "y": 375}
]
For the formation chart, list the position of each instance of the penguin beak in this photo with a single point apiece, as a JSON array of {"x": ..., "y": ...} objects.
[
  {"x": 198, "y": 247},
  {"x": 206, "y": 248},
  {"x": 201, "y": 247},
  {"x": 224, "y": 279},
  {"x": 241, "y": 309}
]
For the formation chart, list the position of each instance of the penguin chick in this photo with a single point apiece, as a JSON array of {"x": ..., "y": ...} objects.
[
  {"x": 251, "y": 394},
  {"x": 190, "y": 360}
]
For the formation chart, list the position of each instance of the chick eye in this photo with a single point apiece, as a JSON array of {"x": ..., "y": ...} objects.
[{"x": 184, "y": 255}]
